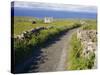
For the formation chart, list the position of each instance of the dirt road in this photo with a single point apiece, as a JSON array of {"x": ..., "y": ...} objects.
[
  {"x": 51, "y": 58},
  {"x": 54, "y": 56}
]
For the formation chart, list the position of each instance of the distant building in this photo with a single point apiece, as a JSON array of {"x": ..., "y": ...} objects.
[{"x": 48, "y": 19}]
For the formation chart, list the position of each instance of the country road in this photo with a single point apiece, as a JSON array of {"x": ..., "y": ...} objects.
[{"x": 50, "y": 58}]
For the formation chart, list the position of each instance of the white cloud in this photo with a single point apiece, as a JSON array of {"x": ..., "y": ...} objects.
[{"x": 57, "y": 7}]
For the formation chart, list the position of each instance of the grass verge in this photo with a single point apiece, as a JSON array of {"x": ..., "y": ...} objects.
[{"x": 75, "y": 59}]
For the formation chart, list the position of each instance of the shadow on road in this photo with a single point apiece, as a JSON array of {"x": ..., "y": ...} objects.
[{"x": 31, "y": 64}]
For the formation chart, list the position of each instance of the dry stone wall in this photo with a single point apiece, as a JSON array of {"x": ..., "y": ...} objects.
[
  {"x": 27, "y": 33},
  {"x": 88, "y": 40}
]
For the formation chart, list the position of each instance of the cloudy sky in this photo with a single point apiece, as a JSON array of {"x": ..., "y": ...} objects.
[{"x": 57, "y": 7}]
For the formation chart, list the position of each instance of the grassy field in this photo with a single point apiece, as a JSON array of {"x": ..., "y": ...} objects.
[
  {"x": 25, "y": 23},
  {"x": 90, "y": 25}
]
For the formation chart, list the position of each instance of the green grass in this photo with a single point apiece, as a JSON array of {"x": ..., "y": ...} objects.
[
  {"x": 22, "y": 23},
  {"x": 91, "y": 25},
  {"x": 75, "y": 60}
]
